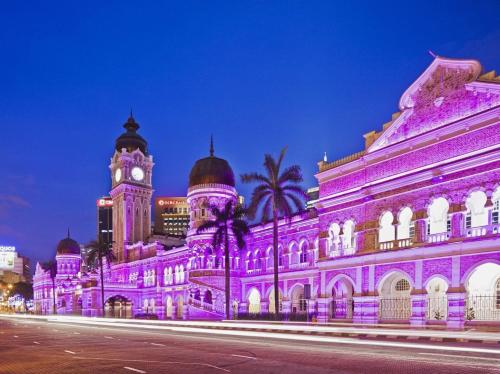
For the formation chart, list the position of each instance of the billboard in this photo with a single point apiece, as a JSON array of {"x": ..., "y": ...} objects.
[{"x": 7, "y": 257}]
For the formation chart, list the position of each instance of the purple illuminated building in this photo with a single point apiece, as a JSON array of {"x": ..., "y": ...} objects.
[{"x": 405, "y": 231}]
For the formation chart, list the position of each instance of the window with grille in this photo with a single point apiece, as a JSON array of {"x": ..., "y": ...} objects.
[{"x": 402, "y": 285}]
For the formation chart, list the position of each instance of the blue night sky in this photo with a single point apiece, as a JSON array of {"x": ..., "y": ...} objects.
[{"x": 258, "y": 75}]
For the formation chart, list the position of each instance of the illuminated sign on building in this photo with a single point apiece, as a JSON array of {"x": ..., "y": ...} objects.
[{"x": 104, "y": 202}]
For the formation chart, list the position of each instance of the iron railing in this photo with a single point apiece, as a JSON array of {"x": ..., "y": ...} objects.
[
  {"x": 483, "y": 308},
  {"x": 395, "y": 308},
  {"x": 437, "y": 308},
  {"x": 341, "y": 308}
]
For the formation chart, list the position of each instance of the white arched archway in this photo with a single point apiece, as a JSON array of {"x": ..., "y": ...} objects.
[
  {"x": 169, "y": 304},
  {"x": 271, "y": 300},
  {"x": 340, "y": 292},
  {"x": 394, "y": 296},
  {"x": 298, "y": 302},
  {"x": 386, "y": 231},
  {"x": 483, "y": 292},
  {"x": 254, "y": 301},
  {"x": 437, "y": 223},
  {"x": 405, "y": 228},
  {"x": 180, "y": 307},
  {"x": 348, "y": 237},
  {"x": 476, "y": 216},
  {"x": 334, "y": 239},
  {"x": 437, "y": 301}
]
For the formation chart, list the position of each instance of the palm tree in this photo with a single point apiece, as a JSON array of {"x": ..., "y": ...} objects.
[
  {"x": 277, "y": 194},
  {"x": 51, "y": 266},
  {"x": 98, "y": 250},
  {"x": 228, "y": 220}
]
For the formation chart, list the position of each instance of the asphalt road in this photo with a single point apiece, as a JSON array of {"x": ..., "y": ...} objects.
[{"x": 28, "y": 346}]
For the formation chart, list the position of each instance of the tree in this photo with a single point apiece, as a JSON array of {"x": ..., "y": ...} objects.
[
  {"x": 229, "y": 220},
  {"x": 51, "y": 266},
  {"x": 277, "y": 194},
  {"x": 98, "y": 250}
]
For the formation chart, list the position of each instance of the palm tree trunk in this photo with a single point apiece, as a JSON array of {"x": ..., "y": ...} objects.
[
  {"x": 54, "y": 311},
  {"x": 276, "y": 263},
  {"x": 102, "y": 286},
  {"x": 227, "y": 273}
]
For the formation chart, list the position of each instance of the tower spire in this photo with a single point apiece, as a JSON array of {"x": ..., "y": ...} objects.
[{"x": 211, "y": 146}]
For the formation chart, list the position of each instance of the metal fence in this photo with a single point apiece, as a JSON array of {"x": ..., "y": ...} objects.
[
  {"x": 396, "y": 308},
  {"x": 341, "y": 308},
  {"x": 437, "y": 308},
  {"x": 482, "y": 308}
]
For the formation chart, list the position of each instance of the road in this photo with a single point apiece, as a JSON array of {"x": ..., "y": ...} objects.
[{"x": 36, "y": 346}]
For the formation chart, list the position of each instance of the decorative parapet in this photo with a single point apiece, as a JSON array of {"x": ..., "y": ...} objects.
[{"x": 345, "y": 160}]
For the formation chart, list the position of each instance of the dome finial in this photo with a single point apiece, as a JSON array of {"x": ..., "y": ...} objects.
[
  {"x": 211, "y": 146},
  {"x": 68, "y": 233}
]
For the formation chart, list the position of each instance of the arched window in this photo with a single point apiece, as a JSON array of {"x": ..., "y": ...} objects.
[
  {"x": 280, "y": 256},
  {"x": 258, "y": 261},
  {"x": 293, "y": 249},
  {"x": 405, "y": 225},
  {"x": 304, "y": 249},
  {"x": 165, "y": 276},
  {"x": 477, "y": 214},
  {"x": 402, "y": 285},
  {"x": 386, "y": 232},
  {"x": 176, "y": 274},
  {"x": 334, "y": 238},
  {"x": 438, "y": 216},
  {"x": 181, "y": 274},
  {"x": 250, "y": 261},
  {"x": 270, "y": 257},
  {"x": 348, "y": 240}
]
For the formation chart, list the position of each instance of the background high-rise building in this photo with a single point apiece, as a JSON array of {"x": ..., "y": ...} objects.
[
  {"x": 13, "y": 267},
  {"x": 105, "y": 219},
  {"x": 171, "y": 216}
]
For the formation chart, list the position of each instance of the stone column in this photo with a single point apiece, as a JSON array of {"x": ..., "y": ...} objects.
[
  {"x": 323, "y": 309},
  {"x": 365, "y": 308},
  {"x": 456, "y": 307},
  {"x": 457, "y": 225},
  {"x": 418, "y": 308}
]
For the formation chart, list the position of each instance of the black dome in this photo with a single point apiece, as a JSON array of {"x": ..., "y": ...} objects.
[
  {"x": 68, "y": 246},
  {"x": 130, "y": 139},
  {"x": 211, "y": 170}
]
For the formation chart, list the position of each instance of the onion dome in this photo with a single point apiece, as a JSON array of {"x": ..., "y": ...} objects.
[
  {"x": 68, "y": 246},
  {"x": 130, "y": 139},
  {"x": 211, "y": 170}
]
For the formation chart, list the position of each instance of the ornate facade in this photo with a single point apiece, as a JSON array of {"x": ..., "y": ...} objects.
[{"x": 404, "y": 231}]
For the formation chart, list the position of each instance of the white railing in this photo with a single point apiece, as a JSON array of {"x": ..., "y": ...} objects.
[
  {"x": 403, "y": 243},
  {"x": 473, "y": 232},
  {"x": 205, "y": 306},
  {"x": 438, "y": 238},
  {"x": 385, "y": 246}
]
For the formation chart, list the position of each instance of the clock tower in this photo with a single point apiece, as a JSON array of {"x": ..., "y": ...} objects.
[{"x": 131, "y": 171}]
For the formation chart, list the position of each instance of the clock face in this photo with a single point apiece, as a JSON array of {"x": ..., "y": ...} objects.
[
  {"x": 137, "y": 173},
  {"x": 118, "y": 175}
]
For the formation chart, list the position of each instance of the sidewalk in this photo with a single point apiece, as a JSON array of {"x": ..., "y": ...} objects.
[{"x": 377, "y": 332}]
